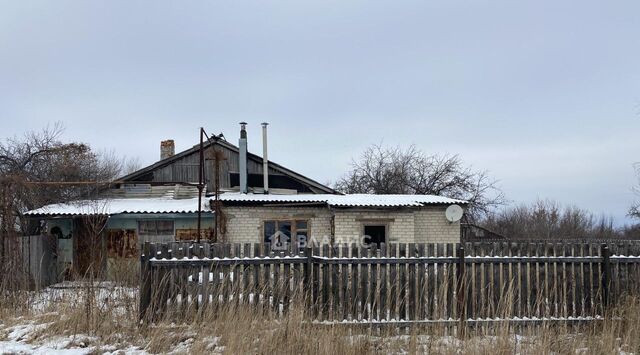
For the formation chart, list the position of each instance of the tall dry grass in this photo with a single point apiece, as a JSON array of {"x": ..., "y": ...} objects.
[{"x": 108, "y": 313}]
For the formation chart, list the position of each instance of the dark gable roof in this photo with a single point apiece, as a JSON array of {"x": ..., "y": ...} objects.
[{"x": 275, "y": 166}]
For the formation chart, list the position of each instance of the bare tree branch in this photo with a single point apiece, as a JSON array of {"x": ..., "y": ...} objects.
[{"x": 391, "y": 170}]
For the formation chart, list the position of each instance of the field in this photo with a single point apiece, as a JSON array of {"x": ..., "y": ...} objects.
[{"x": 97, "y": 318}]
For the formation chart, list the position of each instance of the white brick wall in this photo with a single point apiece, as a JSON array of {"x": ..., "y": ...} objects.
[
  {"x": 431, "y": 226},
  {"x": 244, "y": 224},
  {"x": 423, "y": 225},
  {"x": 348, "y": 224}
]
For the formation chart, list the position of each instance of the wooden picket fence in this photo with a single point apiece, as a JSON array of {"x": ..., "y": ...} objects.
[{"x": 395, "y": 283}]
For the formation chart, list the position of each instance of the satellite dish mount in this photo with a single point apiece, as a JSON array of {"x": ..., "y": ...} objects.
[{"x": 454, "y": 213}]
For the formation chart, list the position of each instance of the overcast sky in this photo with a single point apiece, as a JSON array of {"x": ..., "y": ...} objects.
[{"x": 544, "y": 94}]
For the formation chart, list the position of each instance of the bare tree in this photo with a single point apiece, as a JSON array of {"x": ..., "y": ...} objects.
[
  {"x": 545, "y": 219},
  {"x": 392, "y": 170},
  {"x": 130, "y": 165},
  {"x": 28, "y": 166}
]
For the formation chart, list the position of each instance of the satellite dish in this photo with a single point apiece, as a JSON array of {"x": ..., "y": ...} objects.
[{"x": 453, "y": 213}]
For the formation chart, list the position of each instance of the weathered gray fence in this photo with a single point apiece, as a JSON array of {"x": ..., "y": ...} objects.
[
  {"x": 398, "y": 282},
  {"x": 31, "y": 259}
]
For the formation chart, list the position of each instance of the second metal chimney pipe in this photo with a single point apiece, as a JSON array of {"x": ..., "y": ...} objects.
[
  {"x": 243, "y": 158},
  {"x": 265, "y": 158}
]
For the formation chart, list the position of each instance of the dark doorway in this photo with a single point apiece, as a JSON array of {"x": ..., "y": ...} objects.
[{"x": 376, "y": 234}]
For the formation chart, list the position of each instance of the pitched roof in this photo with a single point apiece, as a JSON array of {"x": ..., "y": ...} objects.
[{"x": 275, "y": 166}]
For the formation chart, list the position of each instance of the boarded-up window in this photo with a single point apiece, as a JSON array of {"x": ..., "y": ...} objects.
[
  {"x": 122, "y": 244},
  {"x": 153, "y": 227},
  {"x": 192, "y": 234}
]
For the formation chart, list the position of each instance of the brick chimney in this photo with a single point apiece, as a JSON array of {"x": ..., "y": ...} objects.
[{"x": 167, "y": 149}]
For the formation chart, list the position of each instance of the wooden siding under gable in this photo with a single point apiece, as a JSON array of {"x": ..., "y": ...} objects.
[{"x": 185, "y": 169}]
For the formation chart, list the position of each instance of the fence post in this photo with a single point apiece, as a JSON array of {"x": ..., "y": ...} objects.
[
  {"x": 308, "y": 253},
  {"x": 461, "y": 276},
  {"x": 605, "y": 271},
  {"x": 145, "y": 282}
]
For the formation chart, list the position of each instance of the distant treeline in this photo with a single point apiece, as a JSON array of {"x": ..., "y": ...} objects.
[{"x": 546, "y": 219}]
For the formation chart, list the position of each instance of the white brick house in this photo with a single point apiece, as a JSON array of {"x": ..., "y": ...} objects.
[{"x": 252, "y": 218}]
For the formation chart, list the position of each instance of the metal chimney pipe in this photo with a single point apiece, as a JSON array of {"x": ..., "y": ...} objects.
[
  {"x": 243, "y": 158},
  {"x": 265, "y": 158}
]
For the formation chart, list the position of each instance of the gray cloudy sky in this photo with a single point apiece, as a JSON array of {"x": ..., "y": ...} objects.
[{"x": 543, "y": 94}]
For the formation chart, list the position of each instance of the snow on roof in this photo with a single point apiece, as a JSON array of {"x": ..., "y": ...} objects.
[
  {"x": 169, "y": 205},
  {"x": 122, "y": 205},
  {"x": 353, "y": 200}
]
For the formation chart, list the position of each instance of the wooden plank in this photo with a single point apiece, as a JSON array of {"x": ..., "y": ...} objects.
[
  {"x": 237, "y": 273},
  {"x": 431, "y": 286},
  {"x": 497, "y": 284},
  {"x": 384, "y": 270},
  {"x": 265, "y": 280},
  {"x": 420, "y": 284},
  {"x": 572, "y": 274},
  {"x": 355, "y": 299},
  {"x": 167, "y": 279},
  {"x": 255, "y": 279},
  {"x": 393, "y": 283},
  {"x": 558, "y": 281},
  {"x": 364, "y": 284},
  {"x": 206, "y": 280},
  {"x": 450, "y": 283},
  {"x": 316, "y": 284},
  {"x": 411, "y": 290},
  {"x": 335, "y": 284},
  {"x": 374, "y": 278},
  {"x": 145, "y": 283},
  {"x": 441, "y": 284},
  {"x": 344, "y": 284},
  {"x": 326, "y": 286},
  {"x": 579, "y": 285},
  {"x": 480, "y": 306}
]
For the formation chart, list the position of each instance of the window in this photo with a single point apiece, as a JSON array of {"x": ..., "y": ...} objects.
[
  {"x": 375, "y": 233},
  {"x": 152, "y": 230},
  {"x": 281, "y": 231}
]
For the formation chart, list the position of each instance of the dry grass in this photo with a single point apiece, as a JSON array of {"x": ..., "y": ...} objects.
[{"x": 104, "y": 316}]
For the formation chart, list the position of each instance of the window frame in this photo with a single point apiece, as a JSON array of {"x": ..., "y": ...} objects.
[{"x": 292, "y": 221}]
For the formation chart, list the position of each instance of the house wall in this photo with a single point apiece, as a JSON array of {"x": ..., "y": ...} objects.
[
  {"x": 431, "y": 226},
  {"x": 414, "y": 225},
  {"x": 244, "y": 224},
  {"x": 181, "y": 222},
  {"x": 349, "y": 224}
]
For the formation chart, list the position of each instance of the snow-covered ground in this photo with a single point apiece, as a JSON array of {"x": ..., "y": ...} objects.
[
  {"x": 29, "y": 338},
  {"x": 36, "y": 333}
]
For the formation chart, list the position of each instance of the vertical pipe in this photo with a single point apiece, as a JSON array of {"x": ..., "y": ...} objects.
[
  {"x": 243, "y": 158},
  {"x": 265, "y": 158},
  {"x": 200, "y": 183}
]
